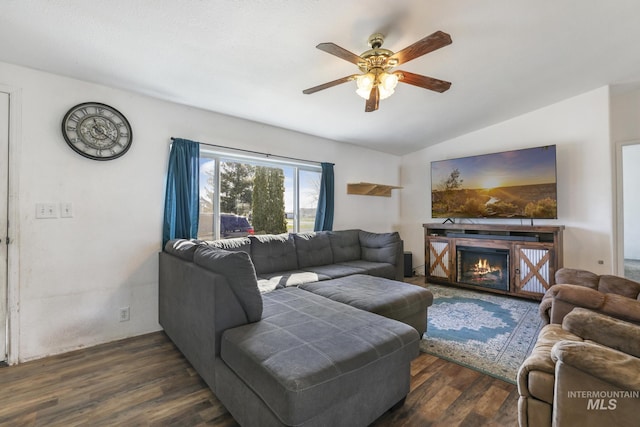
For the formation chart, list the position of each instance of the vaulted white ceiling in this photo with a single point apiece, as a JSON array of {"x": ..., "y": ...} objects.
[{"x": 252, "y": 58}]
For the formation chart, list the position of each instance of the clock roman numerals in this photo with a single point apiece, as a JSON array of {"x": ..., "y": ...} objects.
[{"x": 97, "y": 131}]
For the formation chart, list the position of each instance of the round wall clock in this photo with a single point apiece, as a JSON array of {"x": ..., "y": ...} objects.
[{"x": 97, "y": 131}]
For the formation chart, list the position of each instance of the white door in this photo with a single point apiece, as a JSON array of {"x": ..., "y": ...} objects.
[{"x": 4, "y": 176}]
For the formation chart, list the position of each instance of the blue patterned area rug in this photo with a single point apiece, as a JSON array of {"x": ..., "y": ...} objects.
[{"x": 487, "y": 332}]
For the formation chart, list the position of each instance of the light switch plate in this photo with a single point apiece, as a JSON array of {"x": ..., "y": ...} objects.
[
  {"x": 66, "y": 210},
  {"x": 46, "y": 210}
]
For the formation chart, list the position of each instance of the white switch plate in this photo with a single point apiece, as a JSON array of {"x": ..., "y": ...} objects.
[
  {"x": 46, "y": 210},
  {"x": 66, "y": 210},
  {"x": 124, "y": 314}
]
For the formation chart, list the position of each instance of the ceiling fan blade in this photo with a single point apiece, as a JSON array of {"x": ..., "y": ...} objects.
[
  {"x": 428, "y": 44},
  {"x": 340, "y": 52},
  {"x": 423, "y": 81},
  {"x": 373, "y": 101},
  {"x": 329, "y": 84}
]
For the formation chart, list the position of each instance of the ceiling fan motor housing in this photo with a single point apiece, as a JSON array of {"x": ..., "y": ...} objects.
[{"x": 376, "y": 57}]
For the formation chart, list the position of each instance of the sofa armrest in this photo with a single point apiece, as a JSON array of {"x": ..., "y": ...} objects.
[
  {"x": 195, "y": 307},
  {"x": 608, "y": 365},
  {"x": 605, "y": 330}
]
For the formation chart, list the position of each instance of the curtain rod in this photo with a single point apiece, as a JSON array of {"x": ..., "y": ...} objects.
[{"x": 258, "y": 152}]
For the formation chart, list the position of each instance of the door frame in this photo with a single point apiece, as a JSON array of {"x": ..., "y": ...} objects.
[
  {"x": 13, "y": 232},
  {"x": 619, "y": 206}
]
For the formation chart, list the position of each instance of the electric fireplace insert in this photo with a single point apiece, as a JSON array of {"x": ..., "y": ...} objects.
[{"x": 483, "y": 267}]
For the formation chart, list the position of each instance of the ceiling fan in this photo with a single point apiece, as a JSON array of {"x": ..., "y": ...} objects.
[{"x": 377, "y": 81}]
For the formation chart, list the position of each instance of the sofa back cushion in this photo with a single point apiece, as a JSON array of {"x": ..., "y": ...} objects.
[
  {"x": 273, "y": 252},
  {"x": 345, "y": 245},
  {"x": 234, "y": 245},
  {"x": 619, "y": 285},
  {"x": 238, "y": 269},
  {"x": 576, "y": 276},
  {"x": 182, "y": 248},
  {"x": 313, "y": 249},
  {"x": 380, "y": 247}
]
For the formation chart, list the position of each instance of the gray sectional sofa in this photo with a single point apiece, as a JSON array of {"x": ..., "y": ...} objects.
[{"x": 279, "y": 349}]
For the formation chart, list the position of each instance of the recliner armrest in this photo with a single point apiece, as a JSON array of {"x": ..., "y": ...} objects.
[
  {"x": 578, "y": 295},
  {"x": 606, "y": 364}
]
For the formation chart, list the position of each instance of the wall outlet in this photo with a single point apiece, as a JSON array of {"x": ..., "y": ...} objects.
[{"x": 124, "y": 314}]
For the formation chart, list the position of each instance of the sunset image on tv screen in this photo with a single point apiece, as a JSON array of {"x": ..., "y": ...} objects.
[{"x": 510, "y": 184}]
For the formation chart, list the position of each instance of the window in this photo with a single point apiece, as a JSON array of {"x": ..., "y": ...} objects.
[{"x": 255, "y": 196}]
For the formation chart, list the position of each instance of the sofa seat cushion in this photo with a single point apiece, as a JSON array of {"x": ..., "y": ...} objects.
[
  {"x": 308, "y": 352},
  {"x": 380, "y": 269},
  {"x": 333, "y": 271},
  {"x": 536, "y": 374},
  {"x": 281, "y": 279},
  {"x": 388, "y": 298}
]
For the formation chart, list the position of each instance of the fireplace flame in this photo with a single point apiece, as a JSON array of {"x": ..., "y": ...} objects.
[{"x": 483, "y": 267}]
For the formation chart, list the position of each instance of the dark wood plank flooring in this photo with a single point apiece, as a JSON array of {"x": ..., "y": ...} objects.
[{"x": 145, "y": 380}]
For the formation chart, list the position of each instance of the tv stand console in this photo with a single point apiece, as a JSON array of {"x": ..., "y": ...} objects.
[{"x": 530, "y": 256}]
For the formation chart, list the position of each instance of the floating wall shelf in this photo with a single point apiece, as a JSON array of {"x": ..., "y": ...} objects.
[{"x": 369, "y": 189}]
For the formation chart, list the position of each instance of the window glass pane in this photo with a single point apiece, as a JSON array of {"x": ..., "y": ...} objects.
[
  {"x": 254, "y": 196},
  {"x": 268, "y": 208},
  {"x": 207, "y": 198},
  {"x": 289, "y": 192},
  {"x": 309, "y": 191},
  {"x": 236, "y": 195}
]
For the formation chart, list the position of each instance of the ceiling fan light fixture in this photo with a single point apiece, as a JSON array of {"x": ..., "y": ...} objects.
[
  {"x": 387, "y": 84},
  {"x": 365, "y": 82}
]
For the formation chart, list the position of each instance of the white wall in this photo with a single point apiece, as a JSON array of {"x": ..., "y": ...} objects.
[
  {"x": 74, "y": 274},
  {"x": 580, "y": 129}
]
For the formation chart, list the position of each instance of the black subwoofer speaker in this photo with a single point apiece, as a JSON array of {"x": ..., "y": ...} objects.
[{"x": 408, "y": 264}]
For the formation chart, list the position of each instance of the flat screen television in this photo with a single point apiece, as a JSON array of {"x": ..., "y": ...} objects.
[{"x": 509, "y": 184}]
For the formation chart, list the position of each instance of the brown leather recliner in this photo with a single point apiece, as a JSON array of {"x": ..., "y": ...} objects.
[
  {"x": 612, "y": 295},
  {"x": 585, "y": 372}
]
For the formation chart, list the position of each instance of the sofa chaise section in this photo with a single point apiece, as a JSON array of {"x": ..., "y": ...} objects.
[
  {"x": 314, "y": 362},
  {"x": 394, "y": 300}
]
